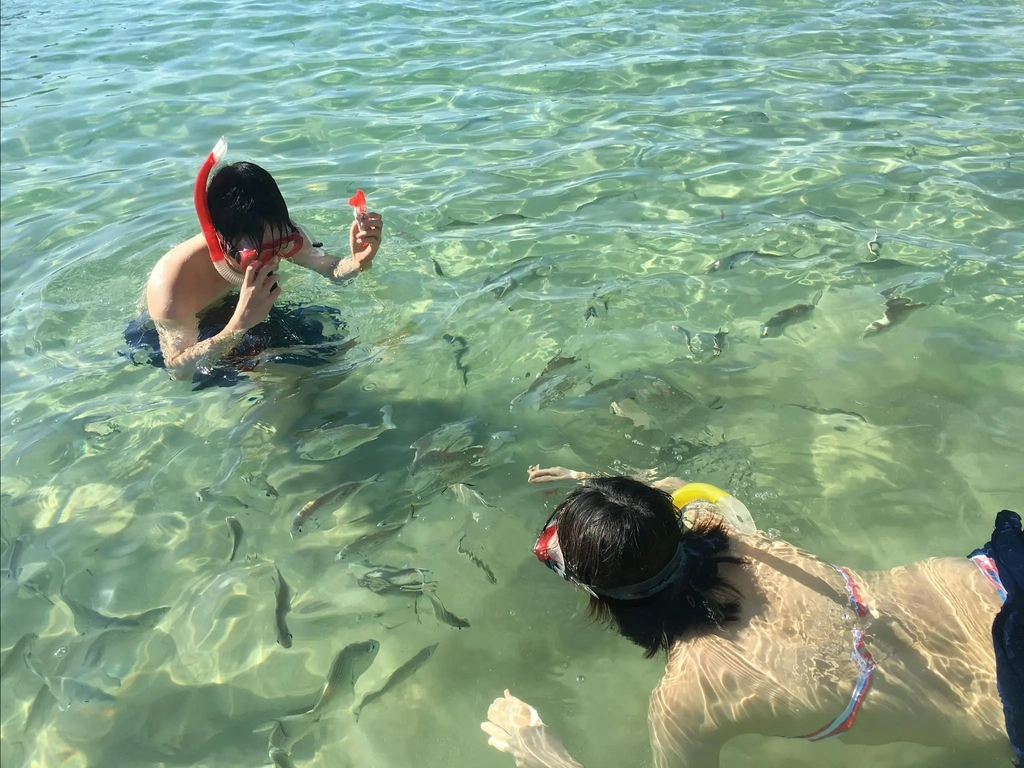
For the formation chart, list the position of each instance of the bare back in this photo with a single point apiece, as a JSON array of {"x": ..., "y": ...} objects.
[{"x": 789, "y": 665}]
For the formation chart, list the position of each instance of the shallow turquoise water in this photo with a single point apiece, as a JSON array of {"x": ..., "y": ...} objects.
[{"x": 620, "y": 149}]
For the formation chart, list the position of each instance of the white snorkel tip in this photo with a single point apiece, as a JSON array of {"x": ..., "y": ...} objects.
[{"x": 220, "y": 150}]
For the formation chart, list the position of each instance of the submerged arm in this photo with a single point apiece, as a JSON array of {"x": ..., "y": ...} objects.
[
  {"x": 555, "y": 474},
  {"x": 515, "y": 728},
  {"x": 183, "y": 354}
]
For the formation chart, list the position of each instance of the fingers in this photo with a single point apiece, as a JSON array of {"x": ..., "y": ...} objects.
[
  {"x": 498, "y": 736},
  {"x": 366, "y": 233}
]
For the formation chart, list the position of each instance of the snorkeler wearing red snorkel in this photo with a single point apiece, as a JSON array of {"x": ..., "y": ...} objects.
[{"x": 246, "y": 233}]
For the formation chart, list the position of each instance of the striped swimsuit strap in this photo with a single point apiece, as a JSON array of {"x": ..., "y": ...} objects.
[{"x": 865, "y": 664}]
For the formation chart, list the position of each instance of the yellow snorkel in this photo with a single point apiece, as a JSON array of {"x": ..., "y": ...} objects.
[{"x": 733, "y": 510}]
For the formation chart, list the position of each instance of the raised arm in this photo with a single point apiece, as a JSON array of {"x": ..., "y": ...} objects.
[{"x": 364, "y": 242}]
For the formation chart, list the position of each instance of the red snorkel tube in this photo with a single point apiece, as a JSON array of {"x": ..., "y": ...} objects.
[{"x": 206, "y": 222}]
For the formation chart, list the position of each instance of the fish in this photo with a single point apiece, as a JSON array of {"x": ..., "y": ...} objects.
[
  {"x": 409, "y": 581},
  {"x": 39, "y": 710},
  {"x": 437, "y": 268},
  {"x": 629, "y": 196},
  {"x": 477, "y": 561},
  {"x": 236, "y": 535},
  {"x": 399, "y": 676},
  {"x": 896, "y": 309},
  {"x": 828, "y": 411},
  {"x": 259, "y": 481},
  {"x": 628, "y": 408},
  {"x": 87, "y": 618},
  {"x": 462, "y": 347},
  {"x": 326, "y": 443},
  {"x": 591, "y": 312},
  {"x": 68, "y": 690},
  {"x": 454, "y": 436},
  {"x": 502, "y": 218},
  {"x": 876, "y": 264},
  {"x": 16, "y": 656},
  {"x": 748, "y": 118},
  {"x": 370, "y": 540},
  {"x": 208, "y": 495},
  {"x": 280, "y": 758},
  {"x": 554, "y": 381},
  {"x": 367, "y": 541},
  {"x": 282, "y": 605},
  {"x": 13, "y": 569},
  {"x": 514, "y": 276},
  {"x": 444, "y": 615},
  {"x": 305, "y": 519},
  {"x": 719, "y": 342},
  {"x": 14, "y": 552},
  {"x": 875, "y": 246},
  {"x": 698, "y": 342},
  {"x": 731, "y": 261},
  {"x": 782, "y": 320},
  {"x": 466, "y": 495},
  {"x": 348, "y": 665}
]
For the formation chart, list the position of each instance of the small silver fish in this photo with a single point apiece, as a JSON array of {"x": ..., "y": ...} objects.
[
  {"x": 731, "y": 261},
  {"x": 514, "y": 276},
  {"x": 16, "y": 656},
  {"x": 503, "y": 218},
  {"x": 828, "y": 411},
  {"x": 875, "y": 246},
  {"x": 369, "y": 540},
  {"x": 351, "y": 662},
  {"x": 326, "y": 443},
  {"x": 305, "y": 520},
  {"x": 475, "y": 559},
  {"x": 409, "y": 581},
  {"x": 437, "y": 268},
  {"x": 87, "y": 618},
  {"x": 236, "y": 535},
  {"x": 895, "y": 310},
  {"x": 555, "y": 380},
  {"x": 462, "y": 348},
  {"x": 282, "y": 605},
  {"x": 782, "y": 320},
  {"x": 209, "y": 496},
  {"x": 259, "y": 481},
  {"x": 280, "y": 758},
  {"x": 745, "y": 118},
  {"x": 466, "y": 495},
  {"x": 399, "y": 676}
]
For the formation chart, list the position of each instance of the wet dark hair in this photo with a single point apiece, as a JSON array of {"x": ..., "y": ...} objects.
[
  {"x": 244, "y": 200},
  {"x": 616, "y": 531}
]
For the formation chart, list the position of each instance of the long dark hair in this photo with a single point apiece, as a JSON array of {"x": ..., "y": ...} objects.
[
  {"x": 616, "y": 531},
  {"x": 244, "y": 200}
]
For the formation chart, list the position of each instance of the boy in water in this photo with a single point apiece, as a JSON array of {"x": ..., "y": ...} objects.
[{"x": 254, "y": 232}]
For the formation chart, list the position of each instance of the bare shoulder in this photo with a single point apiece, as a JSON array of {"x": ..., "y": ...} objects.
[{"x": 171, "y": 291}]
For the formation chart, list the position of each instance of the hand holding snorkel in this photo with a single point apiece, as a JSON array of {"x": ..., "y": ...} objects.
[{"x": 364, "y": 236}]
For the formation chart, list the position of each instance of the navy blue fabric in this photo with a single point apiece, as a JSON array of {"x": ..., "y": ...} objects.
[
  {"x": 1006, "y": 548},
  {"x": 292, "y": 334}
]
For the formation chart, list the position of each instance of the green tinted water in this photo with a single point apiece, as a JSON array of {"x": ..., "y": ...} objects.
[{"x": 619, "y": 149}]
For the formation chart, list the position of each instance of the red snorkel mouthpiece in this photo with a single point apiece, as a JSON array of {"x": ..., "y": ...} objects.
[{"x": 358, "y": 203}]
